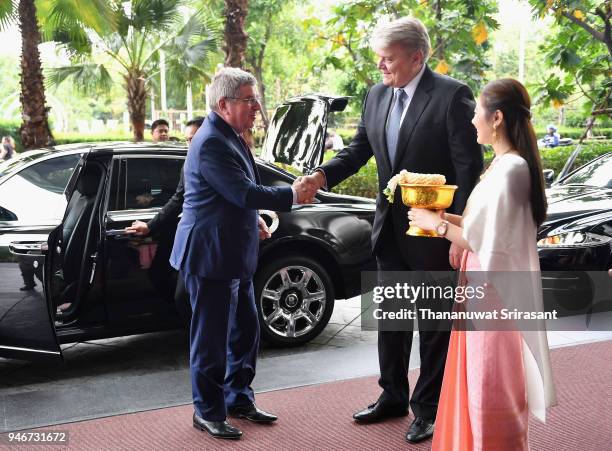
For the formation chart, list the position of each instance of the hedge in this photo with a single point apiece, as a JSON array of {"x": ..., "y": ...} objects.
[
  {"x": 555, "y": 158},
  {"x": 576, "y": 132},
  {"x": 565, "y": 132},
  {"x": 70, "y": 138},
  {"x": 365, "y": 182},
  {"x": 12, "y": 129}
]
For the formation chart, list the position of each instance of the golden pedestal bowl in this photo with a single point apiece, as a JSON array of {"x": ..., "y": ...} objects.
[{"x": 432, "y": 197}]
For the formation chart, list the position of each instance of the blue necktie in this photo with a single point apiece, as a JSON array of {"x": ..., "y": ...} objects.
[{"x": 394, "y": 122}]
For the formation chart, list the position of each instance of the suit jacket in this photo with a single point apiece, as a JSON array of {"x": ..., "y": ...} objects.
[
  {"x": 217, "y": 236},
  {"x": 436, "y": 136},
  {"x": 171, "y": 210}
]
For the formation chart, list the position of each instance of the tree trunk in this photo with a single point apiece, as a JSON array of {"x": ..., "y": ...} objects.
[
  {"x": 34, "y": 130},
  {"x": 258, "y": 73},
  {"x": 439, "y": 41},
  {"x": 137, "y": 93},
  {"x": 235, "y": 37},
  {"x": 257, "y": 64},
  {"x": 189, "y": 101},
  {"x": 162, "y": 83}
]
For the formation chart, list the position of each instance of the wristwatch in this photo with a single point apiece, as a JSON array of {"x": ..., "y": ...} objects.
[{"x": 442, "y": 228}]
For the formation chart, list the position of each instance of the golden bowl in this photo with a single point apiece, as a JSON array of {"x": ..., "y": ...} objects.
[{"x": 433, "y": 197}]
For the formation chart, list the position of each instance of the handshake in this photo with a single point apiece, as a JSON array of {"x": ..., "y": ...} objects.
[{"x": 306, "y": 187}]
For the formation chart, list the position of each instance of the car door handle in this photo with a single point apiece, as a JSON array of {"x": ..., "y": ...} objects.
[
  {"x": 120, "y": 233},
  {"x": 28, "y": 247},
  {"x": 273, "y": 217}
]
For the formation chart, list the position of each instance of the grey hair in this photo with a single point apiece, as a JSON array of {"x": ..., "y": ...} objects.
[
  {"x": 407, "y": 31},
  {"x": 227, "y": 83}
]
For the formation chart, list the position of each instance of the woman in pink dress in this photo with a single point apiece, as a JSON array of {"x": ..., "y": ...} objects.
[{"x": 493, "y": 378}]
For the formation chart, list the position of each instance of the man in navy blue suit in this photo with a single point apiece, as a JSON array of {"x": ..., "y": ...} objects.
[{"x": 215, "y": 250}]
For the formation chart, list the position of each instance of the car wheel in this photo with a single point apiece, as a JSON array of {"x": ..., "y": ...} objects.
[{"x": 295, "y": 299}]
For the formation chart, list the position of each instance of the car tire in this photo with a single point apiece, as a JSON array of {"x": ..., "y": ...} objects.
[{"x": 294, "y": 296}]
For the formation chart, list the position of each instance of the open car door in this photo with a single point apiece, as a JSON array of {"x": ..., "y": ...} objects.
[
  {"x": 296, "y": 135},
  {"x": 72, "y": 264},
  {"x": 27, "y": 328},
  {"x": 27, "y": 312}
]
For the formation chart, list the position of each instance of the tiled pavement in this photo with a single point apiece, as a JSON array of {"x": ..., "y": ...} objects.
[{"x": 127, "y": 374}]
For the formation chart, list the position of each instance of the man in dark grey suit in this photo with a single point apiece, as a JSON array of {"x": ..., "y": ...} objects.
[{"x": 419, "y": 121}]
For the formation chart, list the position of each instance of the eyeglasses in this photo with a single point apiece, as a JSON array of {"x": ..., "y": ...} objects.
[{"x": 250, "y": 100}]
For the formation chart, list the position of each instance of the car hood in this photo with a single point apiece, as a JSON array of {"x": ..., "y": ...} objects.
[
  {"x": 296, "y": 134},
  {"x": 565, "y": 201}
]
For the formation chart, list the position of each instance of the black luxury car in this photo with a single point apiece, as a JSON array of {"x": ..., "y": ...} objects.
[
  {"x": 575, "y": 242},
  {"x": 101, "y": 282}
]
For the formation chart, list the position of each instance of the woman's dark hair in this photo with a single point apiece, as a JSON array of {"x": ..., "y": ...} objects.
[{"x": 511, "y": 98}]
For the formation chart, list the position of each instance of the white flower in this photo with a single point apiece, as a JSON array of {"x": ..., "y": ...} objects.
[{"x": 389, "y": 191}]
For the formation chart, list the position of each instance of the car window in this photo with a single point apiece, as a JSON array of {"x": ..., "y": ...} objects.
[
  {"x": 35, "y": 194},
  {"x": 271, "y": 178},
  {"x": 151, "y": 182},
  {"x": 19, "y": 160},
  {"x": 598, "y": 173}
]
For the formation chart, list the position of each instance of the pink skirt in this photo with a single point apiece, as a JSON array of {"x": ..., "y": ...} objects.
[{"x": 483, "y": 402}]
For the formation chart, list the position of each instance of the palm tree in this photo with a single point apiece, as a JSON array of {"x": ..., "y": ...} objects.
[
  {"x": 131, "y": 35},
  {"x": 264, "y": 17},
  {"x": 235, "y": 37},
  {"x": 188, "y": 54},
  {"x": 34, "y": 130}
]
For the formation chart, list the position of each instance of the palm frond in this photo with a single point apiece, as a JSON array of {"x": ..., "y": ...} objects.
[
  {"x": 74, "y": 40},
  {"x": 123, "y": 23},
  {"x": 97, "y": 15},
  {"x": 87, "y": 78},
  {"x": 195, "y": 40},
  {"x": 114, "y": 43},
  {"x": 199, "y": 52},
  {"x": 154, "y": 15},
  {"x": 8, "y": 13}
]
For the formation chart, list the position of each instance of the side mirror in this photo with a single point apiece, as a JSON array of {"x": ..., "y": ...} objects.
[{"x": 549, "y": 177}]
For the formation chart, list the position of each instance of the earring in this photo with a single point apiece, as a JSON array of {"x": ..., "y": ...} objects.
[{"x": 494, "y": 132}]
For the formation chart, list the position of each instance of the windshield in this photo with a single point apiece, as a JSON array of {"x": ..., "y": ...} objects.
[{"x": 598, "y": 173}]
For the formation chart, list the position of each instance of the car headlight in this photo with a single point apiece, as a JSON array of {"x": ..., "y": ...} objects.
[{"x": 574, "y": 239}]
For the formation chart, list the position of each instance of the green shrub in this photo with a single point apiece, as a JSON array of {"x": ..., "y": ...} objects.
[
  {"x": 73, "y": 137},
  {"x": 565, "y": 132},
  {"x": 576, "y": 132},
  {"x": 364, "y": 183},
  {"x": 556, "y": 157},
  {"x": 346, "y": 134}
]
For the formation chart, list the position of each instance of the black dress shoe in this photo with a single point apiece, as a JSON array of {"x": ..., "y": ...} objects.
[
  {"x": 27, "y": 287},
  {"x": 252, "y": 413},
  {"x": 419, "y": 430},
  {"x": 378, "y": 412},
  {"x": 218, "y": 429}
]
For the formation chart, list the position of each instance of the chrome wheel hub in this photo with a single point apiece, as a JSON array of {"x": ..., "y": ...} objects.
[{"x": 293, "y": 301}]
